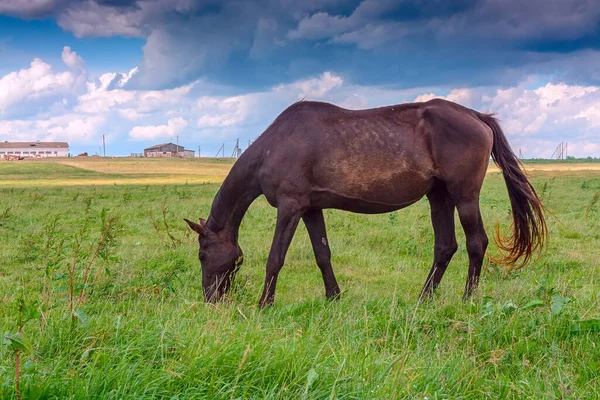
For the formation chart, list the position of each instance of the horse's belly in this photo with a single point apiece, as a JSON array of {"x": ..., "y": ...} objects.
[
  {"x": 340, "y": 202},
  {"x": 371, "y": 194}
]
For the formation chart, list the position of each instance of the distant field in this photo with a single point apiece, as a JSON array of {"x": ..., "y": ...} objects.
[
  {"x": 111, "y": 232},
  {"x": 153, "y": 171},
  {"x": 554, "y": 167},
  {"x": 108, "y": 171}
]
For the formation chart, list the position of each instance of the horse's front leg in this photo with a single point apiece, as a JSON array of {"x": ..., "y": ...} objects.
[{"x": 289, "y": 212}]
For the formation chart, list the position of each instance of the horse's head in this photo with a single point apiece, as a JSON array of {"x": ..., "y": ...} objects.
[{"x": 219, "y": 258}]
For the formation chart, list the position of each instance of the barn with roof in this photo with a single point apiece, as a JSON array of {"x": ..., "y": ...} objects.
[{"x": 168, "y": 150}]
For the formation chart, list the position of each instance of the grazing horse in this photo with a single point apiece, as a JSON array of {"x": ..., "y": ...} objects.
[{"x": 317, "y": 155}]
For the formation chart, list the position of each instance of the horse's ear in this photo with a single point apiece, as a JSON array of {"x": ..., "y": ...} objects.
[{"x": 198, "y": 228}]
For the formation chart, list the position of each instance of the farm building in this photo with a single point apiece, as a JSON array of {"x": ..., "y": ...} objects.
[
  {"x": 34, "y": 149},
  {"x": 167, "y": 150}
]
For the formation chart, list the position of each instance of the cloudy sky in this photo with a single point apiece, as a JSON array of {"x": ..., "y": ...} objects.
[{"x": 145, "y": 71}]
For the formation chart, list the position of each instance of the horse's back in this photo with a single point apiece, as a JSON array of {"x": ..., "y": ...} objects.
[
  {"x": 376, "y": 159},
  {"x": 366, "y": 160}
]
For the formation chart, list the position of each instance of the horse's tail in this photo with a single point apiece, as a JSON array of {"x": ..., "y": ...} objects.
[{"x": 530, "y": 232}]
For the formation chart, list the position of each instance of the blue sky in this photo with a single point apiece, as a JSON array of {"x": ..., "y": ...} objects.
[{"x": 145, "y": 71}]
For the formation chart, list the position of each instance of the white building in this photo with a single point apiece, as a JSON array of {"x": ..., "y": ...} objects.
[{"x": 34, "y": 149}]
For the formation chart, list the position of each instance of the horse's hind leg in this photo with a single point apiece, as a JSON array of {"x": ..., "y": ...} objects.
[
  {"x": 477, "y": 240},
  {"x": 442, "y": 218},
  {"x": 315, "y": 224}
]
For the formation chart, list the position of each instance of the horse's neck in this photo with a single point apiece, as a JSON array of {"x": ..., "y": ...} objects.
[{"x": 238, "y": 191}]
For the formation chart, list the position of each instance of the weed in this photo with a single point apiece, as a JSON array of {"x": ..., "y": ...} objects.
[
  {"x": 4, "y": 215},
  {"x": 163, "y": 224},
  {"x": 592, "y": 205},
  {"x": 18, "y": 341}
]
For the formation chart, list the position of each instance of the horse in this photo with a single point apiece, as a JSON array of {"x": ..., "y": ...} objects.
[{"x": 317, "y": 156}]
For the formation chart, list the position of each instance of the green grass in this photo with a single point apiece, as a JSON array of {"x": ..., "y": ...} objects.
[{"x": 147, "y": 333}]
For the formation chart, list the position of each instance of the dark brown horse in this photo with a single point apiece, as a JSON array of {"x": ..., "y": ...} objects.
[{"x": 316, "y": 155}]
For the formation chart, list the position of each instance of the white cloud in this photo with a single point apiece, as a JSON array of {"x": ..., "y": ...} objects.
[
  {"x": 39, "y": 81},
  {"x": 68, "y": 127},
  {"x": 426, "y": 97},
  {"x": 313, "y": 87},
  {"x": 98, "y": 100},
  {"x": 152, "y": 132},
  {"x": 462, "y": 96},
  {"x": 544, "y": 109},
  {"x": 113, "y": 80},
  {"x": 223, "y": 112},
  {"x": 32, "y": 83},
  {"x": 592, "y": 114},
  {"x": 74, "y": 127},
  {"x": 72, "y": 59},
  {"x": 101, "y": 98},
  {"x": 130, "y": 114}
]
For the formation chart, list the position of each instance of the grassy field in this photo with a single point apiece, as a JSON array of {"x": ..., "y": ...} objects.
[
  {"x": 97, "y": 257},
  {"x": 96, "y": 171}
]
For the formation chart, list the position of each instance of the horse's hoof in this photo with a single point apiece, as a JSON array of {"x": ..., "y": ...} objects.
[
  {"x": 334, "y": 294},
  {"x": 265, "y": 303},
  {"x": 426, "y": 295}
]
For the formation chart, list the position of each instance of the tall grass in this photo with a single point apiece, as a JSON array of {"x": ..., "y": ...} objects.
[{"x": 147, "y": 333}]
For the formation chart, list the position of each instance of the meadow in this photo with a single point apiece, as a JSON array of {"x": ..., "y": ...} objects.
[{"x": 101, "y": 296}]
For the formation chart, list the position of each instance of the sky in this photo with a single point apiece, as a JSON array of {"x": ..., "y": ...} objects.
[{"x": 207, "y": 72}]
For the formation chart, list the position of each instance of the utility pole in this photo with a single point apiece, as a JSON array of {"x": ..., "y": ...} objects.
[
  {"x": 236, "y": 150},
  {"x": 561, "y": 151},
  {"x": 104, "y": 145},
  {"x": 199, "y": 151},
  {"x": 177, "y": 148},
  {"x": 221, "y": 148}
]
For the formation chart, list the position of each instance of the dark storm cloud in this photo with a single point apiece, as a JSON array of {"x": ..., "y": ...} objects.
[
  {"x": 117, "y": 3},
  {"x": 51, "y": 8},
  {"x": 33, "y": 8},
  {"x": 419, "y": 10},
  {"x": 405, "y": 43}
]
